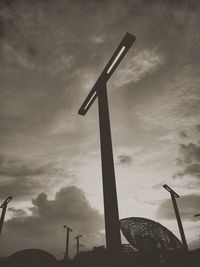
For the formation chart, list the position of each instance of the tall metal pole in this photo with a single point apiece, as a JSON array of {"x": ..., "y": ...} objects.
[
  {"x": 174, "y": 195},
  {"x": 77, "y": 244},
  {"x": 3, "y": 213},
  {"x": 112, "y": 226},
  {"x": 67, "y": 241}
]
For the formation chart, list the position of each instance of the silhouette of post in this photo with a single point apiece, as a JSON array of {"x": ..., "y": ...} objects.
[
  {"x": 77, "y": 244},
  {"x": 174, "y": 195},
  {"x": 111, "y": 213},
  {"x": 3, "y": 213},
  {"x": 67, "y": 241}
]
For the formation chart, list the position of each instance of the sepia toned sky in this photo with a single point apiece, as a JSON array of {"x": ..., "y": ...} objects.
[{"x": 51, "y": 54}]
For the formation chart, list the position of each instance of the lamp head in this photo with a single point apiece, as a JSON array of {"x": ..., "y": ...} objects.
[
  {"x": 66, "y": 227},
  {"x": 5, "y": 203},
  {"x": 171, "y": 191}
]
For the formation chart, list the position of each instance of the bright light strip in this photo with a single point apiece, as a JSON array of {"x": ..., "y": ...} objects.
[
  {"x": 90, "y": 100},
  {"x": 117, "y": 57}
]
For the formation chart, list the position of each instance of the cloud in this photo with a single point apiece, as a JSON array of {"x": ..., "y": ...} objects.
[
  {"x": 25, "y": 178},
  {"x": 143, "y": 63},
  {"x": 192, "y": 169},
  {"x": 69, "y": 207},
  {"x": 189, "y": 153},
  {"x": 124, "y": 159},
  {"x": 183, "y": 134},
  {"x": 189, "y": 160},
  {"x": 188, "y": 206}
]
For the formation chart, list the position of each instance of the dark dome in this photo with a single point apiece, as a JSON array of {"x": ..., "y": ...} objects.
[
  {"x": 32, "y": 258},
  {"x": 145, "y": 235}
]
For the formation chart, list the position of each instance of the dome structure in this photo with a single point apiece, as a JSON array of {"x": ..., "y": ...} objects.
[
  {"x": 145, "y": 235},
  {"x": 31, "y": 258}
]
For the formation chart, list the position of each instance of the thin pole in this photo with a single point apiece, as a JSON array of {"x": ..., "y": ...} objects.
[
  {"x": 67, "y": 241},
  {"x": 2, "y": 217},
  {"x": 77, "y": 244},
  {"x": 67, "y": 244},
  {"x": 111, "y": 213},
  {"x": 4, "y": 207},
  {"x": 179, "y": 222}
]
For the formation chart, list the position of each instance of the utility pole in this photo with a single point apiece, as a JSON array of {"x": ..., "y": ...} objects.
[
  {"x": 174, "y": 195},
  {"x": 111, "y": 213},
  {"x": 77, "y": 244},
  {"x": 67, "y": 241},
  {"x": 3, "y": 213}
]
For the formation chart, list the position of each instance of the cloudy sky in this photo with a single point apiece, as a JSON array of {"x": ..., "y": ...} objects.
[{"x": 51, "y": 53}]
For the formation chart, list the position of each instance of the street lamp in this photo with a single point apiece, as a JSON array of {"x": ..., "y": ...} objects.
[
  {"x": 111, "y": 213},
  {"x": 3, "y": 213},
  {"x": 77, "y": 244},
  {"x": 174, "y": 195},
  {"x": 67, "y": 241}
]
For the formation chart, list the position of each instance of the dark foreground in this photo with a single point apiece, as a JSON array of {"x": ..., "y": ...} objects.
[{"x": 100, "y": 258}]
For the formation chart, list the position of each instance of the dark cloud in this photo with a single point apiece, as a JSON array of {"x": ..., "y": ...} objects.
[
  {"x": 43, "y": 228},
  {"x": 124, "y": 159},
  {"x": 188, "y": 207},
  {"x": 183, "y": 134},
  {"x": 193, "y": 170},
  {"x": 198, "y": 127},
  {"x": 189, "y": 153},
  {"x": 22, "y": 179},
  {"x": 189, "y": 160}
]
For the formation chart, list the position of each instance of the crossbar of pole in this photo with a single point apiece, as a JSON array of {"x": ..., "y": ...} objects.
[{"x": 113, "y": 63}]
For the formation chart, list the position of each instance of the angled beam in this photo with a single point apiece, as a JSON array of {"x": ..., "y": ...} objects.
[
  {"x": 114, "y": 61},
  {"x": 197, "y": 215},
  {"x": 171, "y": 191}
]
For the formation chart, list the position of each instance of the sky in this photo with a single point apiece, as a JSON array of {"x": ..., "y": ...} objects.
[{"x": 51, "y": 54}]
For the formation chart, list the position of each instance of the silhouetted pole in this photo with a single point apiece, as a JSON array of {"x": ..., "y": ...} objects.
[
  {"x": 67, "y": 241},
  {"x": 174, "y": 195},
  {"x": 3, "y": 213},
  {"x": 197, "y": 215},
  {"x": 77, "y": 244},
  {"x": 111, "y": 213}
]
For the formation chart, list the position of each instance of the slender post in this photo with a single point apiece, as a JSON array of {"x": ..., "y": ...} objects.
[
  {"x": 67, "y": 241},
  {"x": 112, "y": 227},
  {"x": 174, "y": 195},
  {"x": 3, "y": 213},
  {"x": 77, "y": 244}
]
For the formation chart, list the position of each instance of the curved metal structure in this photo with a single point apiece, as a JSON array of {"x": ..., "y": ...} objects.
[{"x": 146, "y": 235}]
